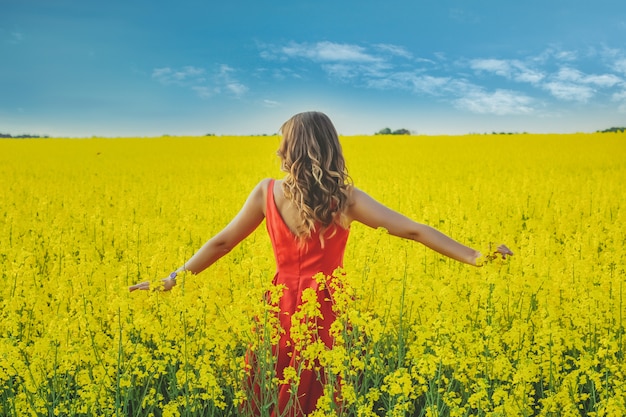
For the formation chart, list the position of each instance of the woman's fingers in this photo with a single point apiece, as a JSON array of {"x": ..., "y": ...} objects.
[
  {"x": 141, "y": 286},
  {"x": 168, "y": 284},
  {"x": 504, "y": 251}
]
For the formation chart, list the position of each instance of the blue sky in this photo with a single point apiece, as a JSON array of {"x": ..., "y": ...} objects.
[{"x": 187, "y": 67}]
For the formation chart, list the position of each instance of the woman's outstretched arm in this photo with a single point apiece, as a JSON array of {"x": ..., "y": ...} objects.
[
  {"x": 245, "y": 222},
  {"x": 368, "y": 211}
]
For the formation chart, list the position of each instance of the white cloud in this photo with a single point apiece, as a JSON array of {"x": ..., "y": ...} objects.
[
  {"x": 497, "y": 66},
  {"x": 285, "y": 72},
  {"x": 270, "y": 55},
  {"x": 225, "y": 79},
  {"x": 182, "y": 76},
  {"x": 554, "y": 53},
  {"x": 349, "y": 70},
  {"x": 530, "y": 76},
  {"x": 189, "y": 72},
  {"x": 441, "y": 56},
  {"x": 569, "y": 74},
  {"x": 510, "y": 69},
  {"x": 161, "y": 74},
  {"x": 566, "y": 55},
  {"x": 410, "y": 81},
  {"x": 328, "y": 52},
  {"x": 603, "y": 80},
  {"x": 346, "y": 62},
  {"x": 392, "y": 67},
  {"x": 342, "y": 70},
  {"x": 270, "y": 103},
  {"x": 394, "y": 50},
  {"x": 225, "y": 69},
  {"x": 570, "y": 84},
  {"x": 203, "y": 84},
  {"x": 278, "y": 73},
  {"x": 429, "y": 84},
  {"x": 499, "y": 102},
  {"x": 426, "y": 60},
  {"x": 620, "y": 65},
  {"x": 620, "y": 97},
  {"x": 569, "y": 91},
  {"x": 237, "y": 89}
]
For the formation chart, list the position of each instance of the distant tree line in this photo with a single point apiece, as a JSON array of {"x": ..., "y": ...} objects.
[
  {"x": 613, "y": 130},
  {"x": 6, "y": 135},
  {"x": 387, "y": 131}
]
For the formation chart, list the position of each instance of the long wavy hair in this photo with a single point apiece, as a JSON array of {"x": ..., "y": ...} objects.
[{"x": 317, "y": 181}]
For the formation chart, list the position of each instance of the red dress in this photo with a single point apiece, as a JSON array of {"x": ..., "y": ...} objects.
[{"x": 296, "y": 264}]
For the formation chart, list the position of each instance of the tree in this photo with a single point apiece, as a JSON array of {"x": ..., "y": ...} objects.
[
  {"x": 387, "y": 131},
  {"x": 613, "y": 129}
]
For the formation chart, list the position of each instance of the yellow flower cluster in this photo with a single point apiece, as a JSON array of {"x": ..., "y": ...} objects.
[{"x": 416, "y": 334}]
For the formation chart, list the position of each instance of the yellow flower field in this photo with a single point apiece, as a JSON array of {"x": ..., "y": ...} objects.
[{"x": 417, "y": 334}]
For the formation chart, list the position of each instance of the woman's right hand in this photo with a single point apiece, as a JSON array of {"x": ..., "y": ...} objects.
[{"x": 168, "y": 284}]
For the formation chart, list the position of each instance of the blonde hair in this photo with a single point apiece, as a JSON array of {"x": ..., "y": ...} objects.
[{"x": 317, "y": 180}]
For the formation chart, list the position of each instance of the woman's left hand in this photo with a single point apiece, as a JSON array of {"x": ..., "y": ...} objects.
[{"x": 503, "y": 251}]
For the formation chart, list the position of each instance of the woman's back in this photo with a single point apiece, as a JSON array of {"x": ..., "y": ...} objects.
[{"x": 301, "y": 258}]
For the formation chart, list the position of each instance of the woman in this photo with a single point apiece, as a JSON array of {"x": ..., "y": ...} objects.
[{"x": 308, "y": 216}]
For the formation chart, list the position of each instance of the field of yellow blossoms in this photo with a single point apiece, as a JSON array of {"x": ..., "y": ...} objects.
[{"x": 417, "y": 334}]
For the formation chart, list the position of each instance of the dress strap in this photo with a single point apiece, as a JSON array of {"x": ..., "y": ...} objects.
[{"x": 269, "y": 201}]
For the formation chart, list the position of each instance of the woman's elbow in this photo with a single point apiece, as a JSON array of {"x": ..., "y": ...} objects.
[
  {"x": 414, "y": 235},
  {"x": 410, "y": 233},
  {"x": 222, "y": 247},
  {"x": 417, "y": 232},
  {"x": 219, "y": 246}
]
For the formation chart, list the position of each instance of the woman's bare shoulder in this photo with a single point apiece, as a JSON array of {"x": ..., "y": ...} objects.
[
  {"x": 258, "y": 195},
  {"x": 262, "y": 186},
  {"x": 354, "y": 194},
  {"x": 355, "y": 198},
  {"x": 264, "y": 182}
]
